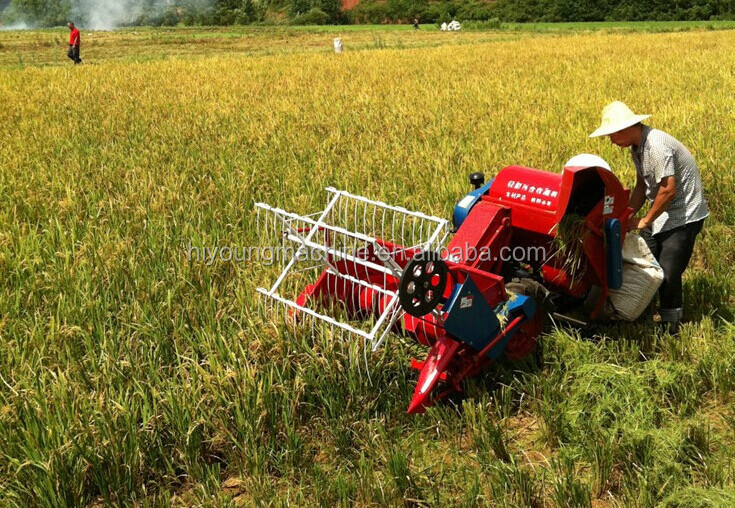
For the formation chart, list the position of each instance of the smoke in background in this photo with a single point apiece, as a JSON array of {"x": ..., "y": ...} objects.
[
  {"x": 106, "y": 15},
  {"x": 17, "y": 25},
  {"x": 95, "y": 14}
]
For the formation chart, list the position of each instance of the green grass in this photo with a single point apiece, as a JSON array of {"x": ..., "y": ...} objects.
[
  {"x": 622, "y": 26},
  {"x": 131, "y": 376}
]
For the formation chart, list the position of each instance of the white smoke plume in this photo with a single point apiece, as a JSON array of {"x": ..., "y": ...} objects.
[
  {"x": 96, "y": 14},
  {"x": 109, "y": 14},
  {"x": 101, "y": 15},
  {"x": 17, "y": 25}
]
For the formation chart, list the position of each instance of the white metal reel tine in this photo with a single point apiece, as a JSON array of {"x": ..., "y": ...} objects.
[
  {"x": 356, "y": 217},
  {"x": 344, "y": 288},
  {"x": 360, "y": 217},
  {"x": 421, "y": 231},
  {"x": 278, "y": 228},
  {"x": 364, "y": 219},
  {"x": 263, "y": 216},
  {"x": 382, "y": 225},
  {"x": 392, "y": 225},
  {"x": 349, "y": 215},
  {"x": 355, "y": 295},
  {"x": 263, "y": 224},
  {"x": 257, "y": 220},
  {"x": 355, "y": 265},
  {"x": 342, "y": 217},
  {"x": 349, "y": 296},
  {"x": 273, "y": 222},
  {"x": 343, "y": 210},
  {"x": 403, "y": 232},
  {"x": 375, "y": 211}
]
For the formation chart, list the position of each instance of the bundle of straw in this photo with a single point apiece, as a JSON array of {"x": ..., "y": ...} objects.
[{"x": 568, "y": 245}]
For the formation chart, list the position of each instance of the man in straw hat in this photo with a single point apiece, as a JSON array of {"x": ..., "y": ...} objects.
[{"x": 668, "y": 177}]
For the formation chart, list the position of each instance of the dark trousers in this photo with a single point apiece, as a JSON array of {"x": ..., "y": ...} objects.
[
  {"x": 672, "y": 249},
  {"x": 73, "y": 54}
]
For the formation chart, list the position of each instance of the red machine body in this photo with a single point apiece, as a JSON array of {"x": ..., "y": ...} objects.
[
  {"x": 539, "y": 201},
  {"x": 518, "y": 212}
]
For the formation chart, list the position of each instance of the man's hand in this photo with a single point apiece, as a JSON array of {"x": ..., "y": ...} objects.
[{"x": 637, "y": 224}]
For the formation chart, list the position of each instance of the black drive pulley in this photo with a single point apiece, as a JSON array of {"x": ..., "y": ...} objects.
[{"x": 422, "y": 283}]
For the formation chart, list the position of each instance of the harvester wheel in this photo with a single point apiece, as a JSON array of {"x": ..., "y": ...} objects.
[
  {"x": 422, "y": 285},
  {"x": 526, "y": 338}
]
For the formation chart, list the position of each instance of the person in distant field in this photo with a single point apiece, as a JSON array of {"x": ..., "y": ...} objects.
[
  {"x": 74, "y": 44},
  {"x": 415, "y": 23},
  {"x": 668, "y": 177}
]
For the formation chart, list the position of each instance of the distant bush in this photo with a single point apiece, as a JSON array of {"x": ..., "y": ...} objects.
[
  {"x": 370, "y": 13},
  {"x": 315, "y": 16}
]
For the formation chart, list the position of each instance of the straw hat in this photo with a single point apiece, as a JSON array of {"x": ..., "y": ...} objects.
[{"x": 615, "y": 117}]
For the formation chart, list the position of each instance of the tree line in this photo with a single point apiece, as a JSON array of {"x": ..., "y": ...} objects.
[
  {"x": 239, "y": 12},
  {"x": 526, "y": 11}
]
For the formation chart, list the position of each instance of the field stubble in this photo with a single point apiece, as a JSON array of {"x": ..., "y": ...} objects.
[{"x": 129, "y": 374}]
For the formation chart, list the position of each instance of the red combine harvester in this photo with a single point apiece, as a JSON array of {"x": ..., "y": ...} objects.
[{"x": 470, "y": 292}]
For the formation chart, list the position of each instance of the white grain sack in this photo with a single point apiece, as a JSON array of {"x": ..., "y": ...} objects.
[{"x": 642, "y": 276}]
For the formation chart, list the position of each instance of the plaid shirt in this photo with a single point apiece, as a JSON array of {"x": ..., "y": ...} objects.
[{"x": 658, "y": 156}]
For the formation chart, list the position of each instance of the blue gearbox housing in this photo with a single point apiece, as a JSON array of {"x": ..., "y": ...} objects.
[{"x": 471, "y": 320}]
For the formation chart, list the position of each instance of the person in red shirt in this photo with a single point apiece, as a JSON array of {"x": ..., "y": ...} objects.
[{"x": 74, "y": 43}]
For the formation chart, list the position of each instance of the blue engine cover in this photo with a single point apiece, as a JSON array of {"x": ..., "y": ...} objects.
[
  {"x": 470, "y": 318},
  {"x": 462, "y": 209}
]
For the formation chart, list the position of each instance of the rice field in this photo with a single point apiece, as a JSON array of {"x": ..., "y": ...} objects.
[{"x": 132, "y": 374}]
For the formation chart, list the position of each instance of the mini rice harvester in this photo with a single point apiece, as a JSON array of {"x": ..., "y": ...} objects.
[{"x": 469, "y": 290}]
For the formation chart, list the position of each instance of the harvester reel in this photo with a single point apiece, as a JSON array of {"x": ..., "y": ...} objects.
[{"x": 422, "y": 284}]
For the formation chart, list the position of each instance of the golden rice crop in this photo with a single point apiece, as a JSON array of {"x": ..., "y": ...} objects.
[{"x": 130, "y": 372}]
